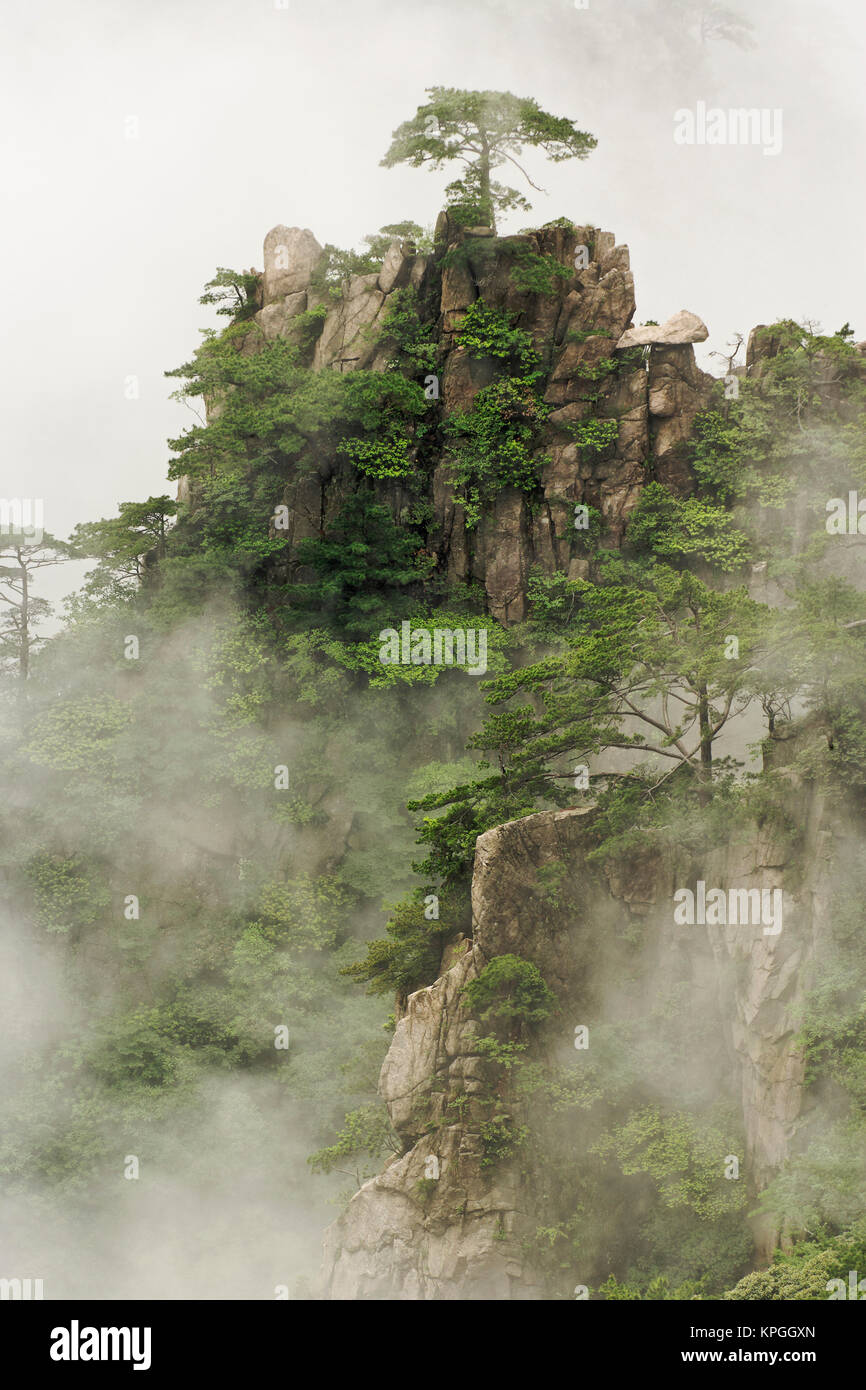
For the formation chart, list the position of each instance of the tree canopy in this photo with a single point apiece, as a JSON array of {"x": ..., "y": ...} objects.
[{"x": 484, "y": 130}]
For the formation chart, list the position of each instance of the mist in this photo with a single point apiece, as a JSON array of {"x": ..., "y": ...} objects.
[{"x": 155, "y": 1139}]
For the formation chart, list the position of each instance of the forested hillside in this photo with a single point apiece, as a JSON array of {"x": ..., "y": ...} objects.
[{"x": 236, "y": 838}]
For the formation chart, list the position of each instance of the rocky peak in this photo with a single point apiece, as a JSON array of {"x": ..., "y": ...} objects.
[{"x": 581, "y": 325}]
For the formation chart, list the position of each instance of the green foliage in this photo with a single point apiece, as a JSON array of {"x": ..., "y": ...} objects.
[
  {"x": 413, "y": 336},
  {"x": 176, "y": 778},
  {"x": 607, "y": 366},
  {"x": 485, "y": 331},
  {"x": 408, "y": 957},
  {"x": 122, "y": 543},
  {"x": 133, "y": 1052},
  {"x": 482, "y": 130},
  {"x": 804, "y": 1273},
  {"x": 676, "y": 529},
  {"x": 379, "y": 458},
  {"x": 658, "y": 1290},
  {"x": 594, "y": 436},
  {"x": 67, "y": 892},
  {"x": 833, "y": 1028},
  {"x": 552, "y": 598},
  {"x": 367, "y": 656},
  {"x": 387, "y": 406},
  {"x": 383, "y": 401},
  {"x": 474, "y": 200},
  {"x": 629, "y": 1194},
  {"x": 532, "y": 273},
  {"x": 272, "y": 411},
  {"x": 491, "y": 445},
  {"x": 656, "y": 632},
  {"x": 409, "y": 232},
  {"x": 168, "y": 764},
  {"x": 275, "y": 416},
  {"x": 337, "y": 266},
  {"x": 233, "y": 292},
  {"x": 307, "y": 329},
  {"x": 76, "y": 734},
  {"x": 365, "y": 566},
  {"x": 583, "y": 335},
  {"x": 470, "y": 809},
  {"x": 821, "y": 1187},
  {"x": 795, "y": 430},
  {"x": 505, "y": 1054},
  {"x": 303, "y": 913},
  {"x": 684, "y": 1156},
  {"x": 511, "y": 993},
  {"x": 366, "y": 1132},
  {"x": 733, "y": 456},
  {"x": 500, "y": 1138},
  {"x": 21, "y": 610}
]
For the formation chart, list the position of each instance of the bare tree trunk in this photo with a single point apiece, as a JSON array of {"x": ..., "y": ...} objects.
[
  {"x": 484, "y": 179},
  {"x": 24, "y": 654},
  {"x": 706, "y": 772}
]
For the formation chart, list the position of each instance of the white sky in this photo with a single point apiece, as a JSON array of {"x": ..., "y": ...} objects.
[{"x": 252, "y": 115}]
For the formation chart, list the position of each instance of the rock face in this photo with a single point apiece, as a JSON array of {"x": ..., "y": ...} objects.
[
  {"x": 580, "y": 325},
  {"x": 460, "y": 1238},
  {"x": 676, "y": 392},
  {"x": 464, "y": 1235}
]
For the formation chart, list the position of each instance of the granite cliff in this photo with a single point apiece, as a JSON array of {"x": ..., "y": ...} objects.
[
  {"x": 595, "y": 366},
  {"x": 611, "y": 951}
]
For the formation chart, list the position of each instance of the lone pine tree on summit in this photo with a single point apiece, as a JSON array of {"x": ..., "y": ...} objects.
[{"x": 483, "y": 130}]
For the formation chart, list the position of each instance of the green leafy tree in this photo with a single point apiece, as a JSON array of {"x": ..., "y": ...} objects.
[
  {"x": 409, "y": 956},
  {"x": 812, "y": 1271},
  {"x": 234, "y": 293},
  {"x": 814, "y": 651},
  {"x": 22, "y": 610},
  {"x": 365, "y": 566},
  {"x": 409, "y": 232},
  {"x": 366, "y": 1134},
  {"x": 510, "y": 993},
  {"x": 681, "y": 1155},
  {"x": 124, "y": 544},
  {"x": 337, "y": 265},
  {"x": 647, "y": 667},
  {"x": 483, "y": 130},
  {"x": 679, "y": 528}
]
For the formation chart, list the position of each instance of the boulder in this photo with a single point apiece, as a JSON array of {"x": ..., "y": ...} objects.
[
  {"x": 291, "y": 256},
  {"x": 683, "y": 327}
]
